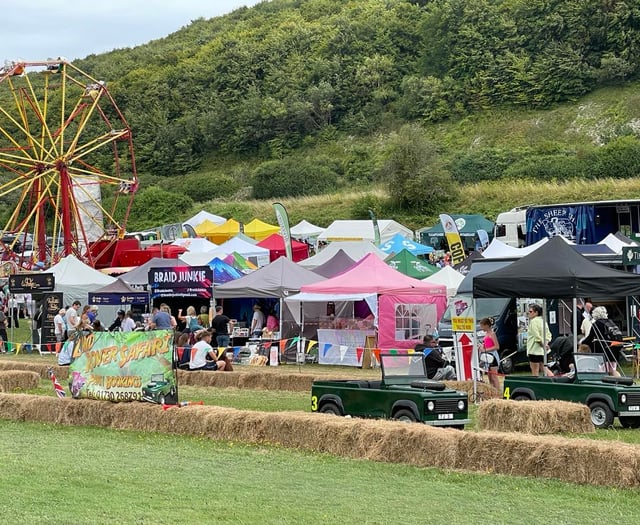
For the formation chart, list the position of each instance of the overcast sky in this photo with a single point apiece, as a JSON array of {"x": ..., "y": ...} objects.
[{"x": 35, "y": 30}]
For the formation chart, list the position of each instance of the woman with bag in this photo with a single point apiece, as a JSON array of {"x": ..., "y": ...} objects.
[{"x": 490, "y": 347}]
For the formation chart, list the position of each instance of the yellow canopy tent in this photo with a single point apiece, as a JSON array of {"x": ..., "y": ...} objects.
[
  {"x": 259, "y": 230},
  {"x": 205, "y": 228},
  {"x": 224, "y": 232}
]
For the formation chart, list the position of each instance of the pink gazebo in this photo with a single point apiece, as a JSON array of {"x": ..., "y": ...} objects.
[{"x": 402, "y": 306}]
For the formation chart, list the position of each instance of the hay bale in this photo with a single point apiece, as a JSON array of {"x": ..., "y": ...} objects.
[
  {"x": 534, "y": 417},
  {"x": 485, "y": 390},
  {"x": 62, "y": 372},
  {"x": 18, "y": 380},
  {"x": 574, "y": 460}
]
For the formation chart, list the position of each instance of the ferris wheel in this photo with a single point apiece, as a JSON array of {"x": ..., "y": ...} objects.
[{"x": 67, "y": 165}]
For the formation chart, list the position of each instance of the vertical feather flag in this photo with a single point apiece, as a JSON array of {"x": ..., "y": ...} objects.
[
  {"x": 453, "y": 238},
  {"x": 285, "y": 231},
  {"x": 376, "y": 228},
  {"x": 56, "y": 385}
]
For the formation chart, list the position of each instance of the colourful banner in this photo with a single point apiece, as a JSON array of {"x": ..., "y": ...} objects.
[
  {"x": 283, "y": 221},
  {"x": 124, "y": 366},
  {"x": 453, "y": 238}
]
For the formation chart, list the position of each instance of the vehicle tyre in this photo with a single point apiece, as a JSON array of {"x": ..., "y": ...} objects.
[
  {"x": 330, "y": 408},
  {"x": 601, "y": 414},
  {"x": 405, "y": 415},
  {"x": 506, "y": 364},
  {"x": 629, "y": 421},
  {"x": 521, "y": 397},
  {"x": 161, "y": 399}
]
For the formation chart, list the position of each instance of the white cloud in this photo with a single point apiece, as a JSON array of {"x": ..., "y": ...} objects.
[{"x": 39, "y": 29}]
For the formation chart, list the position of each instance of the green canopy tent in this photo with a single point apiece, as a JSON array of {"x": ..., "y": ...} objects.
[
  {"x": 407, "y": 263},
  {"x": 467, "y": 225}
]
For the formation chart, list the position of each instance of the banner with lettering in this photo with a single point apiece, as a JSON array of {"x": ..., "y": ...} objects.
[
  {"x": 51, "y": 305},
  {"x": 32, "y": 283},
  {"x": 124, "y": 366},
  {"x": 184, "y": 281},
  {"x": 456, "y": 248}
]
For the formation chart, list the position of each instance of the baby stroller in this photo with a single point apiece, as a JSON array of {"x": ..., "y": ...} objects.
[{"x": 561, "y": 355}]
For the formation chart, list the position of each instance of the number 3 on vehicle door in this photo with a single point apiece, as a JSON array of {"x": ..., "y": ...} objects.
[
  {"x": 314, "y": 403},
  {"x": 507, "y": 393}
]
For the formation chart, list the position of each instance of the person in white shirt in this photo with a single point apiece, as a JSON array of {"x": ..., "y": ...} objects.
[
  {"x": 201, "y": 350},
  {"x": 71, "y": 317},
  {"x": 257, "y": 321},
  {"x": 128, "y": 324},
  {"x": 59, "y": 326}
]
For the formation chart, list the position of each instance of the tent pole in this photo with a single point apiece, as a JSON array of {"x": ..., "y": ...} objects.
[
  {"x": 544, "y": 335},
  {"x": 575, "y": 325}
]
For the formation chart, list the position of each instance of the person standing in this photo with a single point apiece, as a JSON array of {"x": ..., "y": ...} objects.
[
  {"x": 601, "y": 337},
  {"x": 220, "y": 324},
  {"x": 160, "y": 320},
  {"x": 59, "y": 326},
  {"x": 257, "y": 321},
  {"x": 3, "y": 331},
  {"x": 538, "y": 337},
  {"x": 71, "y": 317},
  {"x": 490, "y": 346},
  {"x": 12, "y": 303}
]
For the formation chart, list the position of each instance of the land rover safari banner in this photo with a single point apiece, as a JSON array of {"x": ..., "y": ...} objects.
[{"x": 124, "y": 366}]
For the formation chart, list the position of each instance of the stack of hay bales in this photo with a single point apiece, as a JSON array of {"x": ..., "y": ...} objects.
[{"x": 534, "y": 417}]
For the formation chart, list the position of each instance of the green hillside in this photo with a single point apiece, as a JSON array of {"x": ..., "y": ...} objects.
[{"x": 410, "y": 108}]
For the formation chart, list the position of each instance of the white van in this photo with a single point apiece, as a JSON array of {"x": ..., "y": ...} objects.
[{"x": 511, "y": 227}]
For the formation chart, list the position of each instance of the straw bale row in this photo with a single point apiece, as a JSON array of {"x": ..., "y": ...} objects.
[
  {"x": 534, "y": 417},
  {"x": 18, "y": 380},
  {"x": 255, "y": 380},
  {"x": 573, "y": 460},
  {"x": 62, "y": 372}
]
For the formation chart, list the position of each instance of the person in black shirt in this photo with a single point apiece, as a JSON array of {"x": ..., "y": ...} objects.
[
  {"x": 220, "y": 324},
  {"x": 435, "y": 363}
]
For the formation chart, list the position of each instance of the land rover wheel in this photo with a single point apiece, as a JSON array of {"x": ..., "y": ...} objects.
[
  {"x": 405, "y": 415},
  {"x": 601, "y": 414},
  {"x": 521, "y": 397},
  {"x": 629, "y": 421},
  {"x": 161, "y": 399},
  {"x": 506, "y": 364},
  {"x": 330, "y": 408}
]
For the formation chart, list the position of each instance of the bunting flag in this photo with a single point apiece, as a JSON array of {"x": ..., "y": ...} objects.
[
  {"x": 294, "y": 341},
  {"x": 359, "y": 352},
  {"x": 453, "y": 239},
  {"x": 57, "y": 387},
  {"x": 283, "y": 221},
  {"x": 311, "y": 345},
  {"x": 283, "y": 345},
  {"x": 327, "y": 347},
  {"x": 343, "y": 351}
]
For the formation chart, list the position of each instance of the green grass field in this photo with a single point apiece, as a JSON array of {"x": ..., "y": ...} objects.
[{"x": 60, "y": 475}]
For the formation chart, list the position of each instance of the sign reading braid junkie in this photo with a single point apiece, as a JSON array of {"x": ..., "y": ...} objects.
[
  {"x": 185, "y": 281},
  {"x": 123, "y": 366}
]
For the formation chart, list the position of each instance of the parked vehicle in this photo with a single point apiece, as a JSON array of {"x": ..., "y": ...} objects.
[
  {"x": 580, "y": 222},
  {"x": 606, "y": 396},
  {"x": 404, "y": 394}
]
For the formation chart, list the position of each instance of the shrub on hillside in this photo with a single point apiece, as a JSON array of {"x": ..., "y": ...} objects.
[
  {"x": 483, "y": 164},
  {"x": 202, "y": 187},
  {"x": 547, "y": 167},
  {"x": 155, "y": 206},
  {"x": 620, "y": 158},
  {"x": 293, "y": 177}
]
